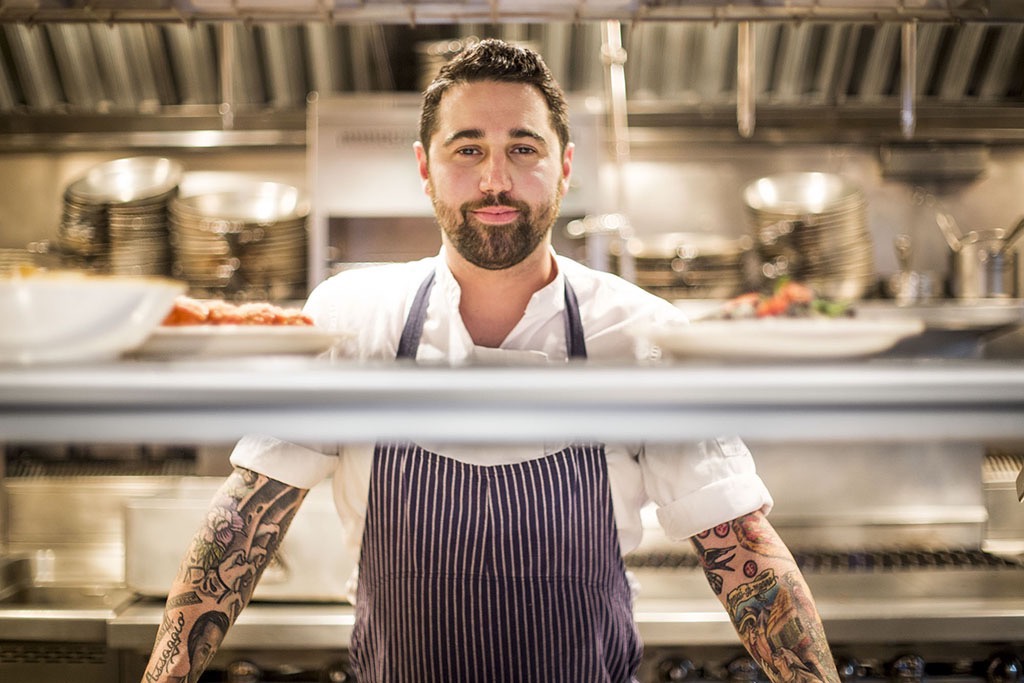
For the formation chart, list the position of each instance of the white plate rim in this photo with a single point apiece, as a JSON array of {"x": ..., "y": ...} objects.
[
  {"x": 228, "y": 340},
  {"x": 790, "y": 338}
]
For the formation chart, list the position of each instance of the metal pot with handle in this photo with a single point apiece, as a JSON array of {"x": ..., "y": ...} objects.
[{"x": 983, "y": 263}]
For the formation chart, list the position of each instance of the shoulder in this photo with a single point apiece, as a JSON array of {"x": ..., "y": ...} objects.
[{"x": 351, "y": 295}]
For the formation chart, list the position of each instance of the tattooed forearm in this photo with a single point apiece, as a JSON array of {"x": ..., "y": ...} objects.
[
  {"x": 755, "y": 576},
  {"x": 243, "y": 529}
]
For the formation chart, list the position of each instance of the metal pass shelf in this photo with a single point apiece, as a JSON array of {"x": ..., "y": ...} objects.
[{"x": 316, "y": 400}]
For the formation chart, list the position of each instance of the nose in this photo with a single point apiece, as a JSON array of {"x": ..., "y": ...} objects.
[{"x": 495, "y": 177}]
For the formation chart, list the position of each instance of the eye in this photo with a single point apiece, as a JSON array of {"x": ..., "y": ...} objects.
[
  {"x": 523, "y": 149},
  {"x": 467, "y": 151}
]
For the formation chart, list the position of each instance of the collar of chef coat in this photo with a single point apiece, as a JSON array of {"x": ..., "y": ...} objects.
[{"x": 538, "y": 337}]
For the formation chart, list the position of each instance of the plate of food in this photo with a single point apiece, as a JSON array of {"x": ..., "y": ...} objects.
[
  {"x": 788, "y": 324},
  {"x": 199, "y": 328}
]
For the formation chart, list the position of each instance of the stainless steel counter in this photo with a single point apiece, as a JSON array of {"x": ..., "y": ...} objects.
[
  {"x": 314, "y": 400},
  {"x": 681, "y": 609}
]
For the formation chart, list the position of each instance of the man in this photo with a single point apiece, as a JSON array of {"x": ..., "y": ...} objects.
[{"x": 483, "y": 563}]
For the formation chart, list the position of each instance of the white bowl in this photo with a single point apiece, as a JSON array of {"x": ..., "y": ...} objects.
[{"x": 69, "y": 316}]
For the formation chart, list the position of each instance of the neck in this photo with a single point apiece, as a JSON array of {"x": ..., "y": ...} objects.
[{"x": 493, "y": 301}]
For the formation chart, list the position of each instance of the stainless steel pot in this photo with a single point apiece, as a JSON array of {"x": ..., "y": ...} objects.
[{"x": 983, "y": 263}]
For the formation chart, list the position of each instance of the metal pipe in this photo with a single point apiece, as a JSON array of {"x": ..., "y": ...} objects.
[
  {"x": 745, "y": 114},
  {"x": 227, "y": 75},
  {"x": 614, "y": 57},
  {"x": 908, "y": 80}
]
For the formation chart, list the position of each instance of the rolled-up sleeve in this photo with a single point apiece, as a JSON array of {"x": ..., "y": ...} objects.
[
  {"x": 292, "y": 464},
  {"x": 698, "y": 486}
]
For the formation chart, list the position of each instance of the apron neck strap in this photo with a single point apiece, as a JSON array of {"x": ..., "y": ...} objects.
[{"x": 576, "y": 346}]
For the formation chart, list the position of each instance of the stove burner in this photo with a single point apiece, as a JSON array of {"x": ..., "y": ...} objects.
[{"x": 850, "y": 561}]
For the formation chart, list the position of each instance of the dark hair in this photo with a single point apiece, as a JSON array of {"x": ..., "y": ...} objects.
[{"x": 495, "y": 60}]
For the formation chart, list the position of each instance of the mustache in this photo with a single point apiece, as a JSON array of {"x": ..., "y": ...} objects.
[{"x": 500, "y": 199}]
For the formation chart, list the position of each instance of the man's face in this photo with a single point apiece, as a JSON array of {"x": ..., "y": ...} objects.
[{"x": 495, "y": 174}]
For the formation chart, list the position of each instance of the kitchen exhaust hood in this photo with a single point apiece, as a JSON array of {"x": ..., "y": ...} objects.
[
  {"x": 494, "y": 11},
  {"x": 247, "y": 83}
]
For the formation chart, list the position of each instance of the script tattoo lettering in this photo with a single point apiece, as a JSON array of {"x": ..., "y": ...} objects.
[{"x": 170, "y": 650}]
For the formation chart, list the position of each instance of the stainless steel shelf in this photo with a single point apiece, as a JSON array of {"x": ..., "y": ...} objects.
[{"x": 310, "y": 400}]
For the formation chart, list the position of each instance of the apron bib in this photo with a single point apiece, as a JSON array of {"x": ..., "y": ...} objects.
[{"x": 492, "y": 574}]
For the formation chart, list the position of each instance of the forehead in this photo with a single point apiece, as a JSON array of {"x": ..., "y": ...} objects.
[{"x": 494, "y": 108}]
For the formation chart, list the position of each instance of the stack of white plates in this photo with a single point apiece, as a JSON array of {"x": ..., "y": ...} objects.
[
  {"x": 812, "y": 227},
  {"x": 687, "y": 265},
  {"x": 115, "y": 216},
  {"x": 246, "y": 243}
]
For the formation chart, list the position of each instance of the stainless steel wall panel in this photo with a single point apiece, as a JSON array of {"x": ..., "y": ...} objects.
[
  {"x": 835, "y": 38},
  {"x": 962, "y": 59},
  {"x": 555, "y": 39},
  {"x": 717, "y": 75},
  {"x": 929, "y": 39},
  {"x": 195, "y": 67},
  {"x": 113, "y": 61},
  {"x": 77, "y": 65},
  {"x": 797, "y": 63},
  {"x": 248, "y": 81},
  {"x": 878, "y": 69},
  {"x": 588, "y": 74},
  {"x": 766, "y": 44},
  {"x": 34, "y": 66},
  {"x": 645, "y": 76},
  {"x": 371, "y": 43},
  {"x": 323, "y": 66},
  {"x": 1005, "y": 63},
  {"x": 284, "y": 63},
  {"x": 8, "y": 94},
  {"x": 158, "y": 62}
]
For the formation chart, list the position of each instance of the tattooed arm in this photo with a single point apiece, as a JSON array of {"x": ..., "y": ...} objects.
[
  {"x": 754, "y": 575},
  {"x": 244, "y": 526}
]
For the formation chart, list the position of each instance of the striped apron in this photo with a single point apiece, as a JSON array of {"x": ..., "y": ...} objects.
[{"x": 492, "y": 574}]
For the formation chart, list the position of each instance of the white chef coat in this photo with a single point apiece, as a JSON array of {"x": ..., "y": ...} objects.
[{"x": 695, "y": 486}]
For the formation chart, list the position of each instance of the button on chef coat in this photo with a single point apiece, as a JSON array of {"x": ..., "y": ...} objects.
[{"x": 695, "y": 486}]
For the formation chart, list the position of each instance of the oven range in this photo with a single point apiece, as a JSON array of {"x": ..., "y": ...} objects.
[{"x": 946, "y": 615}]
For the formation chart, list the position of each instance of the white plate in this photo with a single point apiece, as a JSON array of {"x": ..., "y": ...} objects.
[
  {"x": 237, "y": 340},
  {"x": 981, "y": 316},
  {"x": 780, "y": 338},
  {"x": 63, "y": 317}
]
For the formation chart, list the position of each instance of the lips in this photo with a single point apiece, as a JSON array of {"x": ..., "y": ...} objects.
[{"x": 496, "y": 215}]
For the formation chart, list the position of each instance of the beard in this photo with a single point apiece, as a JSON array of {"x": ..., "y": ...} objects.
[{"x": 496, "y": 247}]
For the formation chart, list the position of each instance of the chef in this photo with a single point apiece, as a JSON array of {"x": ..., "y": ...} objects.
[{"x": 482, "y": 563}]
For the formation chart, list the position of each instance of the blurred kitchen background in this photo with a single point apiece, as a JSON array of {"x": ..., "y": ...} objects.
[
  {"x": 310, "y": 106},
  {"x": 669, "y": 139}
]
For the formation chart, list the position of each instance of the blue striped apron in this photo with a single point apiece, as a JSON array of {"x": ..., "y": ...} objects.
[{"x": 492, "y": 574}]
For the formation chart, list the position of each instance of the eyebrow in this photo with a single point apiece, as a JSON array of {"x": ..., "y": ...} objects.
[{"x": 477, "y": 134}]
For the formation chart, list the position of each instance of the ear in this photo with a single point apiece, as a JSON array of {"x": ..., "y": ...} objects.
[
  {"x": 421, "y": 162},
  {"x": 567, "y": 167}
]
